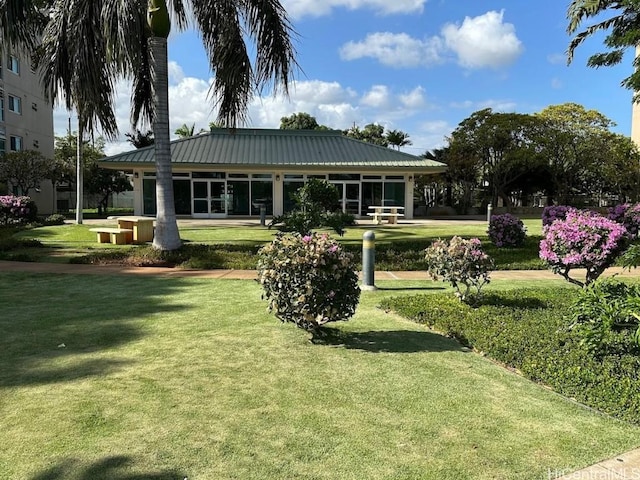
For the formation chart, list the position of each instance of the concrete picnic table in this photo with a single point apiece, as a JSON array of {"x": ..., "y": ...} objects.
[{"x": 389, "y": 212}]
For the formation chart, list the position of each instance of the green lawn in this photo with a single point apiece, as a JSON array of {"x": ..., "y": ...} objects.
[
  {"x": 398, "y": 247},
  {"x": 166, "y": 378}
]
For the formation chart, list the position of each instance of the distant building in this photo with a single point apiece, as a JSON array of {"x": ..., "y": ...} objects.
[
  {"x": 26, "y": 118},
  {"x": 230, "y": 173}
]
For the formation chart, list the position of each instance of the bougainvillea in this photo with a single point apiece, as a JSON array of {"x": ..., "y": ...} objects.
[
  {"x": 16, "y": 210},
  {"x": 460, "y": 262},
  {"x": 308, "y": 280},
  {"x": 555, "y": 212},
  {"x": 582, "y": 240},
  {"x": 506, "y": 230},
  {"x": 627, "y": 214}
]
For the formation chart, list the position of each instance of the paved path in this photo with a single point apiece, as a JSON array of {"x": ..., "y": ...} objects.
[{"x": 620, "y": 467}]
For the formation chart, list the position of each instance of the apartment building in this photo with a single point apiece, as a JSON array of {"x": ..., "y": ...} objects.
[{"x": 26, "y": 118}]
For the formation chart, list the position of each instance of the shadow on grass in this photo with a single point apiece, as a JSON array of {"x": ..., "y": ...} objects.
[
  {"x": 109, "y": 468},
  {"x": 392, "y": 341},
  {"x": 53, "y": 326},
  {"x": 410, "y": 288}
]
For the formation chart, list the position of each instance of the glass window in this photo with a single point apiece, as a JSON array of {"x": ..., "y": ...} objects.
[
  {"x": 288, "y": 176},
  {"x": 2, "y": 108},
  {"x": 394, "y": 177},
  {"x": 371, "y": 196},
  {"x": 181, "y": 196},
  {"x": 288, "y": 190},
  {"x": 372, "y": 177},
  {"x": 317, "y": 176},
  {"x": 344, "y": 176},
  {"x": 261, "y": 175},
  {"x": 15, "y": 143},
  {"x": 15, "y": 104},
  {"x": 261, "y": 193},
  {"x": 149, "y": 174},
  {"x": 3, "y": 146},
  {"x": 238, "y": 175},
  {"x": 208, "y": 175},
  {"x": 13, "y": 64},
  {"x": 393, "y": 194},
  {"x": 238, "y": 197}
]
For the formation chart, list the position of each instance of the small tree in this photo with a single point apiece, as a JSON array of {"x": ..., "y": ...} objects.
[
  {"x": 104, "y": 183},
  {"x": 308, "y": 280},
  {"x": 317, "y": 205},
  {"x": 25, "y": 170},
  {"x": 582, "y": 240}
]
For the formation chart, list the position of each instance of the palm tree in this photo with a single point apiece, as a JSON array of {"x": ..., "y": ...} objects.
[
  {"x": 140, "y": 139},
  {"x": 623, "y": 27},
  {"x": 186, "y": 131},
  {"x": 86, "y": 45},
  {"x": 398, "y": 138}
]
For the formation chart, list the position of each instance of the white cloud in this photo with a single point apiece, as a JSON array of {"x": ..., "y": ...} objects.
[
  {"x": 395, "y": 50},
  {"x": 483, "y": 41},
  {"x": 316, "y": 8},
  {"x": 414, "y": 99},
  {"x": 377, "y": 97}
]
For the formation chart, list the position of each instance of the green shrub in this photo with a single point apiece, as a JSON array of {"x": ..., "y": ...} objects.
[
  {"x": 605, "y": 317},
  {"x": 55, "y": 219},
  {"x": 530, "y": 330},
  {"x": 461, "y": 263},
  {"x": 308, "y": 280}
]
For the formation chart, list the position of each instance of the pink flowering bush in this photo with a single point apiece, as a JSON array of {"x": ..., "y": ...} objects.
[
  {"x": 627, "y": 214},
  {"x": 582, "y": 240},
  {"x": 462, "y": 263},
  {"x": 308, "y": 280},
  {"x": 16, "y": 210},
  {"x": 506, "y": 230},
  {"x": 555, "y": 212}
]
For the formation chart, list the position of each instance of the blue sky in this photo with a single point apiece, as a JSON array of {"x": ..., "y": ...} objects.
[{"x": 420, "y": 66}]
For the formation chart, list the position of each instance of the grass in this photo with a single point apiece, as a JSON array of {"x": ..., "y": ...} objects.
[
  {"x": 397, "y": 247},
  {"x": 166, "y": 378}
]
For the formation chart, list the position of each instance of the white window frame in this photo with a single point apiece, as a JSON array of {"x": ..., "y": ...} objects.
[
  {"x": 15, "y": 104},
  {"x": 13, "y": 64},
  {"x": 15, "y": 143}
]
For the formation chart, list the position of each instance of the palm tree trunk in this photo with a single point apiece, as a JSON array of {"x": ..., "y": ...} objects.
[
  {"x": 167, "y": 236},
  {"x": 79, "y": 171}
]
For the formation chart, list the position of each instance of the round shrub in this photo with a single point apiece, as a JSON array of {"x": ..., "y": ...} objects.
[
  {"x": 555, "y": 212},
  {"x": 506, "y": 230},
  {"x": 582, "y": 240},
  {"x": 55, "y": 219},
  {"x": 627, "y": 214},
  {"x": 460, "y": 262},
  {"x": 308, "y": 280}
]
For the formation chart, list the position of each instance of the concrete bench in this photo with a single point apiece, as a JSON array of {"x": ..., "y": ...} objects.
[
  {"x": 391, "y": 217},
  {"x": 117, "y": 236}
]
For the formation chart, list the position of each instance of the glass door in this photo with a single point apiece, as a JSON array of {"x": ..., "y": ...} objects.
[
  {"x": 209, "y": 198},
  {"x": 349, "y": 195}
]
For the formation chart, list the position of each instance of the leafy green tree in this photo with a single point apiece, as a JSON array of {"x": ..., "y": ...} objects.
[
  {"x": 25, "y": 170},
  {"x": 103, "y": 183},
  {"x": 317, "y": 205},
  {"x": 575, "y": 144},
  {"x": 301, "y": 121},
  {"x": 84, "y": 47},
  {"x": 620, "y": 19},
  {"x": 619, "y": 175},
  {"x": 371, "y": 133},
  {"x": 140, "y": 139}
]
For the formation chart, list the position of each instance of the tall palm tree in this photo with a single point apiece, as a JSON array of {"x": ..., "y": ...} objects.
[
  {"x": 186, "y": 131},
  {"x": 622, "y": 25},
  {"x": 86, "y": 45},
  {"x": 398, "y": 138}
]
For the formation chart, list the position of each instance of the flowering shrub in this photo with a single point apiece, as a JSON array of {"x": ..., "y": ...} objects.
[
  {"x": 15, "y": 210},
  {"x": 506, "y": 230},
  {"x": 555, "y": 212},
  {"x": 460, "y": 262},
  {"x": 583, "y": 240},
  {"x": 308, "y": 280},
  {"x": 628, "y": 215}
]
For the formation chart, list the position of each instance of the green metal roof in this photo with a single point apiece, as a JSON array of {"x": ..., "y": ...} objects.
[{"x": 263, "y": 148}]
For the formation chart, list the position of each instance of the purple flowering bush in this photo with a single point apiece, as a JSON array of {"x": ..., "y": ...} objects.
[
  {"x": 16, "y": 210},
  {"x": 506, "y": 230},
  {"x": 582, "y": 240},
  {"x": 555, "y": 212},
  {"x": 627, "y": 214},
  {"x": 462, "y": 263},
  {"x": 308, "y": 279}
]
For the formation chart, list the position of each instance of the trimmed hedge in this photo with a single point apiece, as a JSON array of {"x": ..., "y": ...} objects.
[{"x": 528, "y": 330}]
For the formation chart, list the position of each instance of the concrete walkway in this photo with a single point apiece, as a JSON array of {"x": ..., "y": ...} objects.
[{"x": 620, "y": 467}]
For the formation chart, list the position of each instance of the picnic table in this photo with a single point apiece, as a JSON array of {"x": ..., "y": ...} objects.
[
  {"x": 380, "y": 212},
  {"x": 142, "y": 227}
]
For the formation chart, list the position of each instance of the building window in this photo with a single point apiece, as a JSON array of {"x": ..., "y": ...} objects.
[
  {"x": 15, "y": 104},
  {"x": 15, "y": 143},
  {"x": 1, "y": 108},
  {"x": 13, "y": 64},
  {"x": 3, "y": 146}
]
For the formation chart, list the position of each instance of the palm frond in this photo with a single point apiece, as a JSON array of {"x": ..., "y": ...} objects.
[{"x": 21, "y": 23}]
